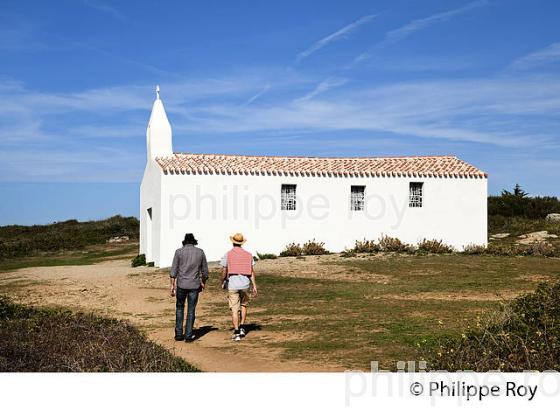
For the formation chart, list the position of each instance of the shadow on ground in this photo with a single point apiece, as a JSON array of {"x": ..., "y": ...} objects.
[
  {"x": 203, "y": 330},
  {"x": 250, "y": 327}
]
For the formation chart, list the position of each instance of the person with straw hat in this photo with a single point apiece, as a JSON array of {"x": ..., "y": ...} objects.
[{"x": 238, "y": 276}]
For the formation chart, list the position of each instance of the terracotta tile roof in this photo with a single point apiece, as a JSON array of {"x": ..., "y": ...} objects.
[{"x": 430, "y": 166}]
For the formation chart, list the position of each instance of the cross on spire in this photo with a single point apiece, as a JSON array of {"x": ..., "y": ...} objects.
[{"x": 159, "y": 134}]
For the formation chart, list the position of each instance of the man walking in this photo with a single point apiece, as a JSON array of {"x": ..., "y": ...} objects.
[
  {"x": 238, "y": 276},
  {"x": 188, "y": 276}
]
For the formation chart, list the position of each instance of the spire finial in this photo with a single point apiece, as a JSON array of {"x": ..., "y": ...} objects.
[{"x": 157, "y": 92}]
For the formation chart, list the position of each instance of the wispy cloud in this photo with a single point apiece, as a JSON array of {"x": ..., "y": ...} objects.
[
  {"x": 257, "y": 95},
  {"x": 104, "y": 8},
  {"x": 547, "y": 55},
  {"x": 337, "y": 35},
  {"x": 73, "y": 164},
  {"x": 322, "y": 87},
  {"x": 425, "y": 64},
  {"x": 107, "y": 125},
  {"x": 500, "y": 112},
  {"x": 403, "y": 32}
]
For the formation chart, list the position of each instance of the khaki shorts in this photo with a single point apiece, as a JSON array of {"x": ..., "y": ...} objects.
[{"x": 238, "y": 298}]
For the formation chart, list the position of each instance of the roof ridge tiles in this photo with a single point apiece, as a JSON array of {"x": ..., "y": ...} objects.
[{"x": 422, "y": 166}]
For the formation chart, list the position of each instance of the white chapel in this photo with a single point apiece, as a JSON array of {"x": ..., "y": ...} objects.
[{"x": 278, "y": 200}]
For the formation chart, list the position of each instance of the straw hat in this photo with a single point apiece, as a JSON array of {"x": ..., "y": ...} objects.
[{"x": 238, "y": 239}]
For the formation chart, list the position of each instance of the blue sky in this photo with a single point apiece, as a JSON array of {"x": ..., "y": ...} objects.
[{"x": 479, "y": 79}]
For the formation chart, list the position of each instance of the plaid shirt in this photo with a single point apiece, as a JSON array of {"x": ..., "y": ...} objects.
[{"x": 189, "y": 267}]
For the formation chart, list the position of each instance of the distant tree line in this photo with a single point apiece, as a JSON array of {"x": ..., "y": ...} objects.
[{"x": 518, "y": 203}]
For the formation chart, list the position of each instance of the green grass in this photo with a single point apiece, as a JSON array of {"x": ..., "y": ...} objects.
[
  {"x": 16, "y": 284},
  {"x": 353, "y": 323},
  {"x": 74, "y": 258},
  {"x": 432, "y": 273}
]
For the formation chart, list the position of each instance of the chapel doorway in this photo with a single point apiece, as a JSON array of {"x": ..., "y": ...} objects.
[{"x": 149, "y": 239}]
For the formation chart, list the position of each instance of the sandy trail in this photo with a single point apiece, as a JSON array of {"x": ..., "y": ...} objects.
[{"x": 140, "y": 295}]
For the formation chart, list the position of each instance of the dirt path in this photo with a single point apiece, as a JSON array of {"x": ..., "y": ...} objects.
[{"x": 113, "y": 288}]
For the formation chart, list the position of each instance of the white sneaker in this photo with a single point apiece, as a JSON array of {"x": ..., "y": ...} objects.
[{"x": 236, "y": 337}]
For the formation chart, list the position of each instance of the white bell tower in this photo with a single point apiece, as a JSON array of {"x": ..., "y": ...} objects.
[{"x": 159, "y": 137}]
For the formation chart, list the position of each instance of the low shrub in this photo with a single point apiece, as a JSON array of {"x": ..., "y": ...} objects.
[
  {"x": 389, "y": 244},
  {"x": 504, "y": 249},
  {"x": 517, "y": 225},
  {"x": 366, "y": 246},
  {"x": 263, "y": 256},
  {"x": 543, "y": 249},
  {"x": 292, "y": 249},
  {"x": 523, "y": 335},
  {"x": 434, "y": 246},
  {"x": 512, "y": 249},
  {"x": 473, "y": 249},
  {"x": 309, "y": 248},
  {"x": 313, "y": 247},
  {"x": 58, "y": 340},
  {"x": 348, "y": 253},
  {"x": 138, "y": 260}
]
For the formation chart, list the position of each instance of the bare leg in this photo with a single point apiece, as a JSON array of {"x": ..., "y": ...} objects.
[
  {"x": 235, "y": 319},
  {"x": 243, "y": 314}
]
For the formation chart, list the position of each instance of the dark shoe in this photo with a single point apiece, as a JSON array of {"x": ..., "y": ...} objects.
[
  {"x": 178, "y": 338},
  {"x": 242, "y": 331},
  {"x": 190, "y": 338}
]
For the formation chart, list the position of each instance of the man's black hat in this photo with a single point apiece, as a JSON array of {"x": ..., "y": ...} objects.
[{"x": 190, "y": 239}]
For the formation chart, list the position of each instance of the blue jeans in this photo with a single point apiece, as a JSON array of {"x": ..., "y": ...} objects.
[{"x": 191, "y": 295}]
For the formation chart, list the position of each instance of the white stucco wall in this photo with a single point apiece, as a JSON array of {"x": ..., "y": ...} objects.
[
  {"x": 216, "y": 206},
  {"x": 150, "y": 197}
]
